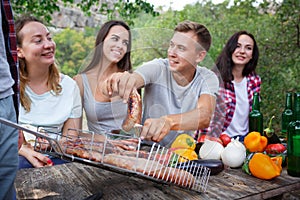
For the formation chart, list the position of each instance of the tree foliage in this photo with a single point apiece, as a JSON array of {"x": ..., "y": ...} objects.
[
  {"x": 128, "y": 10},
  {"x": 123, "y": 8},
  {"x": 276, "y": 27},
  {"x": 73, "y": 49}
]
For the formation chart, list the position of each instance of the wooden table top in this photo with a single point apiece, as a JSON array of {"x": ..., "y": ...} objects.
[{"x": 78, "y": 181}]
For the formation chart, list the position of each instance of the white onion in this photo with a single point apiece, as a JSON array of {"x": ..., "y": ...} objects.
[
  {"x": 234, "y": 154},
  {"x": 211, "y": 150}
]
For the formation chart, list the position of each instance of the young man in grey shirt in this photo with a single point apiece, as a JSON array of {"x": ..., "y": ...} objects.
[{"x": 179, "y": 95}]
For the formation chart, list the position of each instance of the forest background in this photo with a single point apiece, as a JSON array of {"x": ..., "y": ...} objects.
[{"x": 275, "y": 25}]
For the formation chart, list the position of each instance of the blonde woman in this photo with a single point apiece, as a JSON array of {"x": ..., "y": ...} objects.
[{"x": 48, "y": 98}]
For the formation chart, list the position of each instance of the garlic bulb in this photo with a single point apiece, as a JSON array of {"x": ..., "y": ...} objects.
[
  {"x": 234, "y": 154},
  {"x": 211, "y": 150}
]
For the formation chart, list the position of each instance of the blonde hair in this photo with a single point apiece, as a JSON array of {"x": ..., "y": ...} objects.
[{"x": 53, "y": 75}]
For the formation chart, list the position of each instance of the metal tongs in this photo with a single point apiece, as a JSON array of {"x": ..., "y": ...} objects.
[
  {"x": 134, "y": 132},
  {"x": 20, "y": 127}
]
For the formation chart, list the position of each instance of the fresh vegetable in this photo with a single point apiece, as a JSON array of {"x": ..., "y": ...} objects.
[
  {"x": 184, "y": 141},
  {"x": 277, "y": 150},
  {"x": 263, "y": 167},
  {"x": 211, "y": 150},
  {"x": 215, "y": 166},
  {"x": 225, "y": 139},
  {"x": 272, "y": 149},
  {"x": 234, "y": 154},
  {"x": 254, "y": 142},
  {"x": 202, "y": 138},
  {"x": 277, "y": 160},
  {"x": 186, "y": 154},
  {"x": 245, "y": 166},
  {"x": 183, "y": 147},
  {"x": 270, "y": 133}
]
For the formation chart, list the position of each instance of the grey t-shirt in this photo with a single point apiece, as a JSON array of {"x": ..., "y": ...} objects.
[
  {"x": 6, "y": 81},
  {"x": 163, "y": 96},
  {"x": 102, "y": 117}
]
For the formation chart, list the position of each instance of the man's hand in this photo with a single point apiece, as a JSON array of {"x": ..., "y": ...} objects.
[
  {"x": 156, "y": 129},
  {"x": 122, "y": 84},
  {"x": 119, "y": 84}
]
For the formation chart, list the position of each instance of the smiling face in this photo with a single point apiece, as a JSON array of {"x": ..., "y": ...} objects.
[
  {"x": 184, "y": 52},
  {"x": 243, "y": 51},
  {"x": 115, "y": 44},
  {"x": 37, "y": 47}
]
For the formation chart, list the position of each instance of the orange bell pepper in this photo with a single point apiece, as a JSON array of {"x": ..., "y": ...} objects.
[
  {"x": 263, "y": 167},
  {"x": 255, "y": 142}
]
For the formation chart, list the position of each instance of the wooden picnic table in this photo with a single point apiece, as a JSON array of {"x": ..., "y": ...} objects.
[{"x": 78, "y": 181}]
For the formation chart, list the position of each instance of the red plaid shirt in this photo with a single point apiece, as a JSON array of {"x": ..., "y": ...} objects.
[
  {"x": 225, "y": 107},
  {"x": 11, "y": 47}
]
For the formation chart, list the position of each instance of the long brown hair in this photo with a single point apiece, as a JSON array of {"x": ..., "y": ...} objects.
[
  {"x": 53, "y": 75},
  {"x": 225, "y": 63},
  {"x": 124, "y": 64}
]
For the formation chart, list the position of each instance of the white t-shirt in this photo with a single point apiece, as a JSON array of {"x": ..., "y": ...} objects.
[
  {"x": 50, "y": 110},
  {"x": 163, "y": 96},
  {"x": 239, "y": 123}
]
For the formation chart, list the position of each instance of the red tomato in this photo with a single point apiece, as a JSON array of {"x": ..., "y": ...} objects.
[
  {"x": 275, "y": 148},
  {"x": 225, "y": 139},
  {"x": 204, "y": 137},
  {"x": 201, "y": 139}
]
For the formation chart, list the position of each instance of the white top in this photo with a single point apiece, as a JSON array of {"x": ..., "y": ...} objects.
[
  {"x": 163, "y": 96},
  {"x": 50, "y": 110},
  {"x": 239, "y": 123}
]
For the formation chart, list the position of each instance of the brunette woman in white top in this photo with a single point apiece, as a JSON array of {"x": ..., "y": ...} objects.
[{"x": 236, "y": 64}]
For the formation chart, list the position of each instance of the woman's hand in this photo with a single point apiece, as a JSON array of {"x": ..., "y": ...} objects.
[
  {"x": 35, "y": 158},
  {"x": 20, "y": 139}
]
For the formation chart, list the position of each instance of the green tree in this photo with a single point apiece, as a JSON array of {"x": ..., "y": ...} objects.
[
  {"x": 281, "y": 59},
  {"x": 275, "y": 27},
  {"x": 73, "y": 48},
  {"x": 123, "y": 9}
]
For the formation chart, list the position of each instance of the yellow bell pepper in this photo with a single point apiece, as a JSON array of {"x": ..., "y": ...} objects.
[
  {"x": 254, "y": 142},
  {"x": 184, "y": 141},
  {"x": 263, "y": 167},
  {"x": 186, "y": 154}
]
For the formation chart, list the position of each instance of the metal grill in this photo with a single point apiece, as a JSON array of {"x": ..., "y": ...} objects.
[{"x": 124, "y": 154}]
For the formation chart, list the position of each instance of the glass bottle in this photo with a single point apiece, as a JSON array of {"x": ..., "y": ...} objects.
[
  {"x": 255, "y": 116},
  {"x": 287, "y": 114},
  {"x": 293, "y": 145}
]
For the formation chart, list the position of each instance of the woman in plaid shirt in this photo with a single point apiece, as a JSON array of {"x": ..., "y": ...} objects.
[{"x": 236, "y": 67}]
